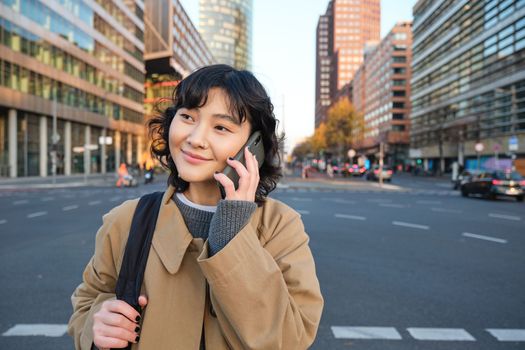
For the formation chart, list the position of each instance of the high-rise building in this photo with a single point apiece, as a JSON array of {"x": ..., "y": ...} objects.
[
  {"x": 71, "y": 86},
  {"x": 346, "y": 27},
  {"x": 324, "y": 69},
  {"x": 468, "y": 84},
  {"x": 226, "y": 27},
  {"x": 381, "y": 96},
  {"x": 174, "y": 49}
]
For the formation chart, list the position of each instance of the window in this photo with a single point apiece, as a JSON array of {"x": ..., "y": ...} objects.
[
  {"x": 398, "y": 105},
  {"x": 398, "y": 116},
  {"x": 400, "y": 93}
]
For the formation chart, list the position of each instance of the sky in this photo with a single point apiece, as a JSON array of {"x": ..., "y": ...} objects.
[{"x": 283, "y": 54}]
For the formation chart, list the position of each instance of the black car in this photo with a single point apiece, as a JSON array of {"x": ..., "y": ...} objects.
[{"x": 493, "y": 184}]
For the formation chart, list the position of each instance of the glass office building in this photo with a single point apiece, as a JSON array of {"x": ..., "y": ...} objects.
[
  {"x": 81, "y": 62},
  {"x": 468, "y": 84},
  {"x": 226, "y": 27}
]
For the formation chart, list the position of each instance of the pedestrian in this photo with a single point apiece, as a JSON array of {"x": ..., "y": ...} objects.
[
  {"x": 123, "y": 174},
  {"x": 232, "y": 273}
]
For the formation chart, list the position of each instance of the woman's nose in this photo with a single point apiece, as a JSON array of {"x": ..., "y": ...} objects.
[{"x": 197, "y": 138}]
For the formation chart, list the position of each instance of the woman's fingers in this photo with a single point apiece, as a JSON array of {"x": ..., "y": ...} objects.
[
  {"x": 121, "y": 307},
  {"x": 227, "y": 183},
  {"x": 103, "y": 342},
  {"x": 118, "y": 333}
]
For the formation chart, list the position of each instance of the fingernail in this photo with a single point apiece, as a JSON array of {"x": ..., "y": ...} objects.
[
  {"x": 137, "y": 319},
  {"x": 137, "y": 329},
  {"x": 137, "y": 339},
  {"x": 216, "y": 172},
  {"x": 230, "y": 158}
]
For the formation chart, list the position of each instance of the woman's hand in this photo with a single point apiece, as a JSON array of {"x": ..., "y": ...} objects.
[
  {"x": 116, "y": 324},
  {"x": 248, "y": 178}
]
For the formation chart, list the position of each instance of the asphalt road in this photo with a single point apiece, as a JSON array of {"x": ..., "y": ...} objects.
[{"x": 416, "y": 263}]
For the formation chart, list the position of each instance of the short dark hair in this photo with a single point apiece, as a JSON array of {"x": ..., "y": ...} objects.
[{"x": 247, "y": 99}]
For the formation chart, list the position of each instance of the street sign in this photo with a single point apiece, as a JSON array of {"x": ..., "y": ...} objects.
[
  {"x": 479, "y": 147},
  {"x": 351, "y": 153},
  {"x": 513, "y": 143}
]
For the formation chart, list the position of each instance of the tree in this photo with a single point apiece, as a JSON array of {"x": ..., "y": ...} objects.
[
  {"x": 341, "y": 120},
  {"x": 318, "y": 140}
]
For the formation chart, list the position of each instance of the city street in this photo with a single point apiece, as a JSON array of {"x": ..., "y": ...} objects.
[{"x": 410, "y": 265}]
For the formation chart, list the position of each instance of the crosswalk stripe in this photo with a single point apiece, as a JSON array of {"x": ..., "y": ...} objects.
[
  {"x": 507, "y": 334},
  {"x": 38, "y": 213},
  {"x": 408, "y": 224},
  {"x": 507, "y": 217},
  {"x": 389, "y": 333},
  {"x": 485, "y": 238},
  {"x": 47, "y": 330},
  {"x": 442, "y": 334},
  {"x": 353, "y": 217}
]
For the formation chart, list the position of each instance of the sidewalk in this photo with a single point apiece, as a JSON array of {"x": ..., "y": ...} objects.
[{"x": 60, "y": 181}]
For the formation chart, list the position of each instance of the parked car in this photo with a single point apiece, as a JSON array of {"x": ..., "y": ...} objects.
[
  {"x": 373, "y": 173},
  {"x": 354, "y": 170},
  {"x": 493, "y": 184}
]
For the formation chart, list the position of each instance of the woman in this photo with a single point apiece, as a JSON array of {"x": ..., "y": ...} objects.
[{"x": 232, "y": 273}]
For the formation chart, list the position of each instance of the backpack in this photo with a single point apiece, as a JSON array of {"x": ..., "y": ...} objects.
[{"x": 137, "y": 250}]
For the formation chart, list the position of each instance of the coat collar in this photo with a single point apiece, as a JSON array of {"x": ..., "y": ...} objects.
[{"x": 171, "y": 237}]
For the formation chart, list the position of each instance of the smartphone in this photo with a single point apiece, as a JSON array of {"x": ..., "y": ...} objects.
[{"x": 256, "y": 147}]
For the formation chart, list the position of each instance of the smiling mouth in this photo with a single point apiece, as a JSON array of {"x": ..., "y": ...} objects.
[{"x": 194, "y": 156}]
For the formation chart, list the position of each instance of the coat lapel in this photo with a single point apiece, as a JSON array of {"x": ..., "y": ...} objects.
[{"x": 171, "y": 238}]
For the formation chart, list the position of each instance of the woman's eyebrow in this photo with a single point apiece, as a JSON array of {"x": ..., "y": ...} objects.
[{"x": 226, "y": 116}]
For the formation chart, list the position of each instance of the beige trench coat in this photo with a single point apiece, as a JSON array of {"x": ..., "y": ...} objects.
[{"x": 264, "y": 292}]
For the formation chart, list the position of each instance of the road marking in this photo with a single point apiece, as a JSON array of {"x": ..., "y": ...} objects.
[
  {"x": 2, "y": 222},
  {"x": 443, "y": 210},
  {"x": 23, "y": 201},
  {"x": 507, "y": 334},
  {"x": 507, "y": 217},
  {"x": 94, "y": 202},
  {"x": 447, "y": 334},
  {"x": 114, "y": 199},
  {"x": 389, "y": 333},
  {"x": 70, "y": 207},
  {"x": 486, "y": 238},
  {"x": 390, "y": 205},
  {"x": 304, "y": 212},
  {"x": 408, "y": 224},
  {"x": 301, "y": 199},
  {"x": 38, "y": 213},
  {"x": 338, "y": 200},
  {"x": 46, "y": 330},
  {"x": 352, "y": 217},
  {"x": 379, "y": 200},
  {"x": 428, "y": 202}
]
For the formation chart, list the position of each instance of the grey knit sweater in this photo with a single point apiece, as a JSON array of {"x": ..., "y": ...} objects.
[{"x": 218, "y": 227}]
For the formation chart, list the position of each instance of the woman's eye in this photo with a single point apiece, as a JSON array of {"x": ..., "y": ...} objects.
[
  {"x": 185, "y": 117},
  {"x": 221, "y": 128}
]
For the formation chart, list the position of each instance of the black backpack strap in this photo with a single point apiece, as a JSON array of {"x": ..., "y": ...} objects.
[{"x": 137, "y": 249}]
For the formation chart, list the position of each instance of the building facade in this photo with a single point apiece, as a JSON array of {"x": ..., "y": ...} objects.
[
  {"x": 342, "y": 34},
  {"x": 174, "y": 49},
  {"x": 226, "y": 27},
  {"x": 71, "y": 86},
  {"x": 382, "y": 96},
  {"x": 468, "y": 84}
]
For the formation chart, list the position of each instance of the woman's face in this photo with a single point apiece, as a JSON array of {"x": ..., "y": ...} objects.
[{"x": 201, "y": 139}]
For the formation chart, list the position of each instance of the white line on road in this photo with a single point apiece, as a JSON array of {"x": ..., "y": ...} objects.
[
  {"x": 379, "y": 200},
  {"x": 304, "y": 212},
  {"x": 366, "y": 333},
  {"x": 352, "y": 217},
  {"x": 70, "y": 207},
  {"x": 94, "y": 202},
  {"x": 443, "y": 210},
  {"x": 47, "y": 199},
  {"x": 114, "y": 199},
  {"x": 428, "y": 202},
  {"x": 390, "y": 205},
  {"x": 38, "y": 213},
  {"x": 46, "y": 330},
  {"x": 508, "y": 334},
  {"x": 507, "y": 217},
  {"x": 301, "y": 199},
  {"x": 486, "y": 238},
  {"x": 448, "y": 334},
  {"x": 3, "y": 222},
  {"x": 338, "y": 200},
  {"x": 23, "y": 201},
  {"x": 408, "y": 224}
]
